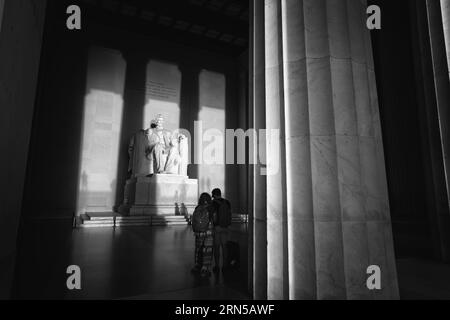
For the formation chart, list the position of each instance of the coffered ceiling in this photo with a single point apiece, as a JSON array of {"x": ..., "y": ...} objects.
[{"x": 219, "y": 25}]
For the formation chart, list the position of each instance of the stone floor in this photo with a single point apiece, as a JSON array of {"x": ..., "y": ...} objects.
[
  {"x": 154, "y": 263},
  {"x": 126, "y": 263}
]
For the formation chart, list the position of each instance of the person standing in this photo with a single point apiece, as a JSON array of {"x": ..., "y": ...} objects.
[
  {"x": 203, "y": 229},
  {"x": 221, "y": 211}
]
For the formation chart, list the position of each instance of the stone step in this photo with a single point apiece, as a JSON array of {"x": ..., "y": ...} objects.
[
  {"x": 94, "y": 217},
  {"x": 88, "y": 224},
  {"x": 168, "y": 219},
  {"x": 134, "y": 220},
  {"x": 117, "y": 220},
  {"x": 106, "y": 220},
  {"x": 165, "y": 223},
  {"x": 143, "y": 220},
  {"x": 93, "y": 225}
]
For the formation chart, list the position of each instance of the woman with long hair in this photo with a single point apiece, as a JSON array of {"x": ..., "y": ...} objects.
[{"x": 203, "y": 229}]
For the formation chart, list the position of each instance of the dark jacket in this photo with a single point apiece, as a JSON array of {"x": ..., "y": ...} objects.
[{"x": 215, "y": 204}]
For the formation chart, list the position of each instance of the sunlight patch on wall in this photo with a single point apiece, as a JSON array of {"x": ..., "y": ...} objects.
[{"x": 101, "y": 130}]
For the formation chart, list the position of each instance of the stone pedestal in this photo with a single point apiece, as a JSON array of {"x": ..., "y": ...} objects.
[{"x": 161, "y": 194}]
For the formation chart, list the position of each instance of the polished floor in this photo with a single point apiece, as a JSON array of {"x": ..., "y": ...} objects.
[
  {"x": 122, "y": 263},
  {"x": 155, "y": 263}
]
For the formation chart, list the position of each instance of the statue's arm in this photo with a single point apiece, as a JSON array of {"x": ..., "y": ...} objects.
[{"x": 150, "y": 146}]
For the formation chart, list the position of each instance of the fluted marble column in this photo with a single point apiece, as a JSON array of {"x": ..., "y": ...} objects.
[
  {"x": 439, "y": 32},
  {"x": 277, "y": 286},
  {"x": 133, "y": 110},
  {"x": 189, "y": 108},
  {"x": 327, "y": 207},
  {"x": 445, "y": 9},
  {"x": 259, "y": 181}
]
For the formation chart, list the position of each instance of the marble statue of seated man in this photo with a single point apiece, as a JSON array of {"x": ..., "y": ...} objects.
[{"x": 157, "y": 151}]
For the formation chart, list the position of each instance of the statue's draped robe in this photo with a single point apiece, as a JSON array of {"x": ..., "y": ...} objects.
[
  {"x": 164, "y": 155},
  {"x": 151, "y": 152}
]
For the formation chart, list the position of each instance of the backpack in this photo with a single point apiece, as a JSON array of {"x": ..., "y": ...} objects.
[
  {"x": 200, "y": 219},
  {"x": 223, "y": 214}
]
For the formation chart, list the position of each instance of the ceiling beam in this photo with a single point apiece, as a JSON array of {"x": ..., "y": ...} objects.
[
  {"x": 182, "y": 10},
  {"x": 97, "y": 15}
]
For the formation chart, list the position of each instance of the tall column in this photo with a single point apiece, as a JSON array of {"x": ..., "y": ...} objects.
[
  {"x": 259, "y": 153},
  {"x": 437, "y": 116},
  {"x": 439, "y": 24},
  {"x": 251, "y": 155},
  {"x": 242, "y": 87},
  {"x": 189, "y": 107},
  {"x": 327, "y": 210},
  {"x": 301, "y": 241},
  {"x": 445, "y": 9},
  {"x": 133, "y": 110},
  {"x": 277, "y": 269}
]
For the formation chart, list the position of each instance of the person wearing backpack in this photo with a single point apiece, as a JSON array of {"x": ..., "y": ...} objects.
[
  {"x": 221, "y": 210},
  {"x": 203, "y": 229}
]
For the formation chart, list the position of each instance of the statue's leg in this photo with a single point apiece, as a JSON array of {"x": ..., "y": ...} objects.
[
  {"x": 157, "y": 158},
  {"x": 151, "y": 163},
  {"x": 173, "y": 159}
]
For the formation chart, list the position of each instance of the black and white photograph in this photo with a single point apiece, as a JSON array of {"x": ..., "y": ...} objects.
[{"x": 247, "y": 151}]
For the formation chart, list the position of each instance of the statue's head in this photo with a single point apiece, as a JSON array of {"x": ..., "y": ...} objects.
[{"x": 158, "y": 123}]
